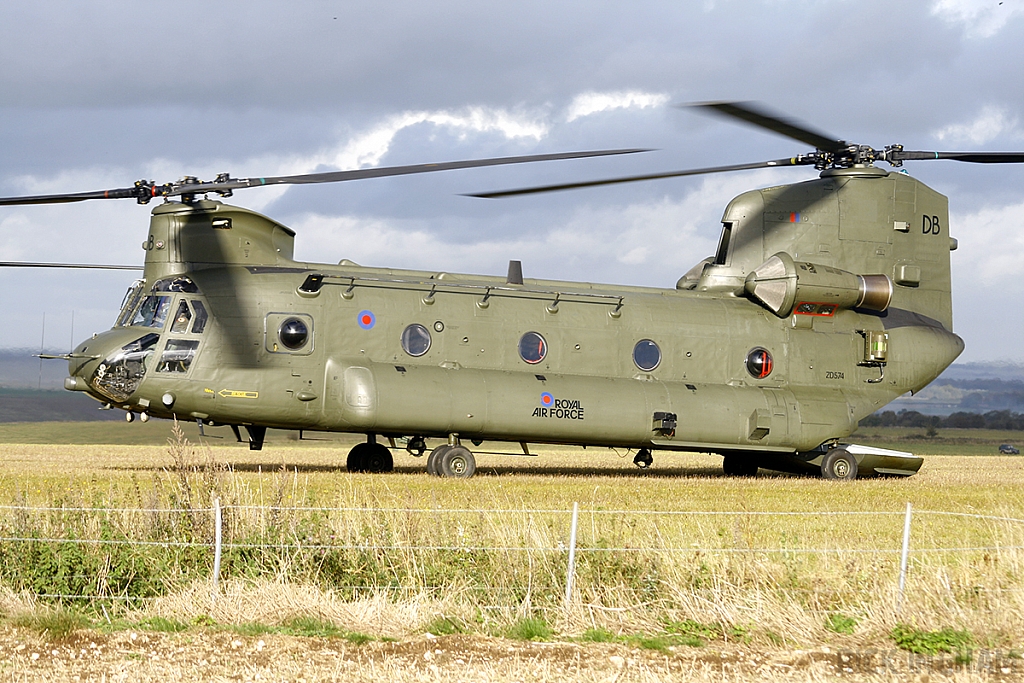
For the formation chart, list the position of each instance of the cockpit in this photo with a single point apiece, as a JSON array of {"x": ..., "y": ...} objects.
[{"x": 173, "y": 307}]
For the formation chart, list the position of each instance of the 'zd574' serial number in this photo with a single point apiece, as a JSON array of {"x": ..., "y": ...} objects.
[{"x": 834, "y": 374}]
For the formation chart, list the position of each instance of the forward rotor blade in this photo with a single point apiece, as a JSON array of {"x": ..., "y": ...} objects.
[
  {"x": 28, "y": 264},
  {"x": 143, "y": 191},
  {"x": 971, "y": 157},
  {"x": 360, "y": 174},
  {"x": 755, "y": 114},
  {"x": 802, "y": 160}
]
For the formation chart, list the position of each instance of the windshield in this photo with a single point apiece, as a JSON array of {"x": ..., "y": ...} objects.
[
  {"x": 131, "y": 299},
  {"x": 152, "y": 312}
]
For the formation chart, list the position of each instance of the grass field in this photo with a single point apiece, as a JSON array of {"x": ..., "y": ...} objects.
[{"x": 737, "y": 579}]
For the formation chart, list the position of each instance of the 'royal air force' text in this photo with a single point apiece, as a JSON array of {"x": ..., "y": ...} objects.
[{"x": 560, "y": 409}]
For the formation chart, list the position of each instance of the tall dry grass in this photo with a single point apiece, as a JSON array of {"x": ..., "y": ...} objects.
[{"x": 389, "y": 553}]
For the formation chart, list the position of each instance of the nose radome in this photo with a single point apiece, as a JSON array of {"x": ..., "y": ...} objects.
[{"x": 111, "y": 365}]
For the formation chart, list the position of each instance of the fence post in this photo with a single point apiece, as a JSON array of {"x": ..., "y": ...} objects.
[
  {"x": 903, "y": 558},
  {"x": 217, "y": 517},
  {"x": 570, "y": 574}
]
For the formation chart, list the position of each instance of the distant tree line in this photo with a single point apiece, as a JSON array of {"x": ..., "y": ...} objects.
[{"x": 994, "y": 419}]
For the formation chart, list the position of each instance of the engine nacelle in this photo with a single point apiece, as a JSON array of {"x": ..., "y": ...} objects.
[{"x": 786, "y": 286}]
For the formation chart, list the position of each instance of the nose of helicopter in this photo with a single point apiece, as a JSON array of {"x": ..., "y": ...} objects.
[{"x": 110, "y": 365}]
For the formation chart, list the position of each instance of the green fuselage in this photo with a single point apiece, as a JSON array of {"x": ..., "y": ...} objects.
[{"x": 353, "y": 372}]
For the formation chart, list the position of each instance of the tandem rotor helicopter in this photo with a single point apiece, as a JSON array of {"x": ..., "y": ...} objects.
[{"x": 824, "y": 301}]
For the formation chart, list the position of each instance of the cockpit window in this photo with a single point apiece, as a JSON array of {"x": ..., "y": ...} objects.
[
  {"x": 131, "y": 299},
  {"x": 152, "y": 312},
  {"x": 176, "y": 284},
  {"x": 177, "y": 355},
  {"x": 200, "y": 324},
  {"x": 181, "y": 318}
]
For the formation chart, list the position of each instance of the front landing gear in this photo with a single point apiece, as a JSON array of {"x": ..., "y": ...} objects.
[
  {"x": 643, "y": 459},
  {"x": 370, "y": 457},
  {"x": 433, "y": 458}
]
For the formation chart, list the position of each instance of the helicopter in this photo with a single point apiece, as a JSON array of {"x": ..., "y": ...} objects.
[{"x": 824, "y": 301}]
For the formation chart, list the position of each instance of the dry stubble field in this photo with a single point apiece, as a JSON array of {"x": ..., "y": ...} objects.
[{"x": 771, "y": 609}]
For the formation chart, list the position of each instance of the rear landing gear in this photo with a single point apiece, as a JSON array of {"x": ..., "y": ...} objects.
[
  {"x": 643, "y": 459},
  {"x": 839, "y": 464},
  {"x": 370, "y": 457}
]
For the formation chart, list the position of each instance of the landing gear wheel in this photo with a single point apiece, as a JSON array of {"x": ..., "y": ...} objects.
[
  {"x": 433, "y": 460},
  {"x": 738, "y": 466},
  {"x": 359, "y": 458},
  {"x": 643, "y": 459},
  {"x": 378, "y": 458},
  {"x": 457, "y": 462},
  {"x": 839, "y": 464}
]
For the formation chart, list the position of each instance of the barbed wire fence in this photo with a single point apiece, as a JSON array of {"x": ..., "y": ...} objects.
[{"x": 548, "y": 545}]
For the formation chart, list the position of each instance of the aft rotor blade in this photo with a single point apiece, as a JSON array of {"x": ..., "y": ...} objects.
[
  {"x": 802, "y": 160},
  {"x": 757, "y": 115},
  {"x": 971, "y": 157},
  {"x": 28, "y": 264},
  {"x": 144, "y": 190},
  {"x": 120, "y": 193}
]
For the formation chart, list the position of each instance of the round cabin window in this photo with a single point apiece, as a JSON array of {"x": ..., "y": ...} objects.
[
  {"x": 646, "y": 355},
  {"x": 416, "y": 340},
  {"x": 293, "y": 333},
  {"x": 759, "y": 363},
  {"x": 532, "y": 348}
]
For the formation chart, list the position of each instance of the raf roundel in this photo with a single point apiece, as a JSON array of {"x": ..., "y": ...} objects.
[
  {"x": 546, "y": 399},
  {"x": 366, "y": 320}
]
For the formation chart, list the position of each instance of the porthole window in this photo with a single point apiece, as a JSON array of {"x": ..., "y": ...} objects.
[
  {"x": 293, "y": 333},
  {"x": 416, "y": 340},
  {"x": 646, "y": 355},
  {"x": 532, "y": 348},
  {"x": 759, "y": 363}
]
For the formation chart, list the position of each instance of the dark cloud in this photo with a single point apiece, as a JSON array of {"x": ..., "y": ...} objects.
[{"x": 96, "y": 94}]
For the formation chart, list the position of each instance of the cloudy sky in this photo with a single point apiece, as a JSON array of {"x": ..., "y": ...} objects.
[{"x": 98, "y": 94}]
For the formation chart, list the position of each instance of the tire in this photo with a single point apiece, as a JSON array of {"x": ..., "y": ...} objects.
[
  {"x": 358, "y": 458},
  {"x": 458, "y": 462},
  {"x": 839, "y": 464},
  {"x": 738, "y": 466},
  {"x": 378, "y": 458},
  {"x": 433, "y": 460}
]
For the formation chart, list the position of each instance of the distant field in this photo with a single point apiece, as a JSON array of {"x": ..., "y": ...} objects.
[
  {"x": 31, "y": 405},
  {"x": 945, "y": 442}
]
